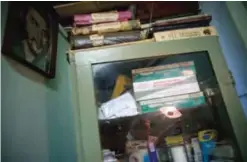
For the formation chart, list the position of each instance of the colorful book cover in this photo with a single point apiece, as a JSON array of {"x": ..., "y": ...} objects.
[
  {"x": 165, "y": 81},
  {"x": 180, "y": 102}
]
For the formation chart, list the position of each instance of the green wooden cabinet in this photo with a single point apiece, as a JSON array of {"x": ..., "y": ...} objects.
[{"x": 204, "y": 51}]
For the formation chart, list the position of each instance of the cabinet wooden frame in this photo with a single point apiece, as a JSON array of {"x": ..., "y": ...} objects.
[{"x": 85, "y": 110}]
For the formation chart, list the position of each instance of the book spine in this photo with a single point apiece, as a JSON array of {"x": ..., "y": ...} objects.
[{"x": 185, "y": 33}]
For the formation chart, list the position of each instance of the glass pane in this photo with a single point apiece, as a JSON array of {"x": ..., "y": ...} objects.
[{"x": 166, "y": 109}]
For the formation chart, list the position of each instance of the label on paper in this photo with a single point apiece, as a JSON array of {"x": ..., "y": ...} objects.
[
  {"x": 97, "y": 40},
  {"x": 113, "y": 26},
  {"x": 122, "y": 106},
  {"x": 151, "y": 90},
  {"x": 185, "y": 33},
  {"x": 105, "y": 16},
  {"x": 96, "y": 37}
]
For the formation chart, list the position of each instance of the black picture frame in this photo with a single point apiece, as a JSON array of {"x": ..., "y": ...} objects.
[{"x": 31, "y": 34}]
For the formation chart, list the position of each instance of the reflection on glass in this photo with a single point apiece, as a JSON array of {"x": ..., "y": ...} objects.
[{"x": 165, "y": 109}]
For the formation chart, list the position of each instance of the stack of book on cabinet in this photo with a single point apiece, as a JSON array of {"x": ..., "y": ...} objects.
[
  {"x": 167, "y": 86},
  {"x": 117, "y": 27}
]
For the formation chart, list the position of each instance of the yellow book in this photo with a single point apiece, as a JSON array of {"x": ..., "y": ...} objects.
[{"x": 120, "y": 86}]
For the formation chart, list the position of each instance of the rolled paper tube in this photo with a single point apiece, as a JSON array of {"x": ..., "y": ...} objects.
[
  {"x": 154, "y": 29},
  {"x": 106, "y": 39},
  {"x": 183, "y": 20},
  {"x": 107, "y": 27},
  {"x": 180, "y": 20},
  {"x": 86, "y": 19},
  {"x": 178, "y": 26},
  {"x": 83, "y": 23}
]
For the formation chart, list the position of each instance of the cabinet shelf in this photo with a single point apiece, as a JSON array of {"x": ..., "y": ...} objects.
[{"x": 149, "y": 115}]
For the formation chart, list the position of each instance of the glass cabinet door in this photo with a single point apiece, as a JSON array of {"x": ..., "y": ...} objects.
[{"x": 163, "y": 109}]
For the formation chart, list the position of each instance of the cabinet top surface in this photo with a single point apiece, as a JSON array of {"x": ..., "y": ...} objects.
[{"x": 143, "y": 49}]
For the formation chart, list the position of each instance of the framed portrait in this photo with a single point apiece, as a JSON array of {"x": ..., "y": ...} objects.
[{"x": 30, "y": 36}]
